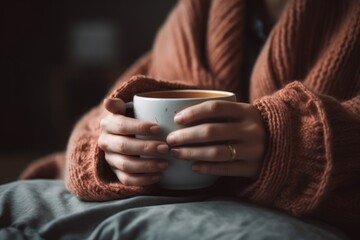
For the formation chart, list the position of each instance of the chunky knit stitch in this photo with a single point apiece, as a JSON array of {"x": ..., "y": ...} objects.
[{"x": 306, "y": 85}]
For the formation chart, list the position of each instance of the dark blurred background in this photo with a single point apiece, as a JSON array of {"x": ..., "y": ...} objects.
[{"x": 57, "y": 60}]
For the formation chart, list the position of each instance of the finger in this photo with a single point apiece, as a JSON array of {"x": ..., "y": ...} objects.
[
  {"x": 136, "y": 179},
  {"x": 131, "y": 164},
  {"x": 218, "y": 153},
  {"x": 122, "y": 125},
  {"x": 211, "y": 110},
  {"x": 131, "y": 146},
  {"x": 209, "y": 132},
  {"x": 115, "y": 105},
  {"x": 236, "y": 168}
]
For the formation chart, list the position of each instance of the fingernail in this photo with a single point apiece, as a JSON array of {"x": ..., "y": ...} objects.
[
  {"x": 163, "y": 165},
  {"x": 170, "y": 139},
  {"x": 178, "y": 117},
  {"x": 175, "y": 152},
  {"x": 155, "y": 129},
  {"x": 162, "y": 148},
  {"x": 196, "y": 168},
  {"x": 156, "y": 178}
]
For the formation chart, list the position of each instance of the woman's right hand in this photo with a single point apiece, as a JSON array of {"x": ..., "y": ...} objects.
[{"x": 122, "y": 149}]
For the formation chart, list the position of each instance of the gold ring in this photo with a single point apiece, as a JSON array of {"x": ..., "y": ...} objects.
[{"x": 232, "y": 151}]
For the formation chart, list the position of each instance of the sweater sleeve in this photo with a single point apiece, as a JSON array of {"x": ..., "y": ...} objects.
[
  {"x": 86, "y": 173},
  {"x": 312, "y": 162}
]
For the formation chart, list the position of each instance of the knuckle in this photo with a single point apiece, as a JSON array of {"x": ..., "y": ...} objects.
[
  {"x": 125, "y": 179},
  {"x": 216, "y": 153},
  {"x": 149, "y": 166},
  {"x": 121, "y": 126},
  {"x": 124, "y": 166},
  {"x": 103, "y": 122},
  {"x": 214, "y": 106},
  {"x": 188, "y": 113},
  {"x": 209, "y": 131},
  {"x": 122, "y": 147},
  {"x": 148, "y": 147},
  {"x": 187, "y": 154},
  {"x": 255, "y": 129},
  {"x": 141, "y": 128},
  {"x": 102, "y": 143}
]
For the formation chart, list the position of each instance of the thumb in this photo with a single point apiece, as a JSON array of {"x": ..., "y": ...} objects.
[{"x": 115, "y": 105}]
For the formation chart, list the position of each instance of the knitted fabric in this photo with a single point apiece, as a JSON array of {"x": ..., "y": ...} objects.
[{"x": 306, "y": 85}]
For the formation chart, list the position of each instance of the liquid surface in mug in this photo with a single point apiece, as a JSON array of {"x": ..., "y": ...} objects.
[{"x": 179, "y": 94}]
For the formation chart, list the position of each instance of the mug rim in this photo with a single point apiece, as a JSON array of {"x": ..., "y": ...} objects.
[{"x": 226, "y": 93}]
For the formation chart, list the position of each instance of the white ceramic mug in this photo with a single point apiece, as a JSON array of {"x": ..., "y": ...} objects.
[{"x": 160, "y": 107}]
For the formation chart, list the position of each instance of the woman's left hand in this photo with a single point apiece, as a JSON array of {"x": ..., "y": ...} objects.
[{"x": 230, "y": 143}]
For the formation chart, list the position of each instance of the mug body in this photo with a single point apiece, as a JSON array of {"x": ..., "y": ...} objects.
[{"x": 161, "y": 107}]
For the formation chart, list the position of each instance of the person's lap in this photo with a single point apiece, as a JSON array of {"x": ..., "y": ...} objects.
[{"x": 44, "y": 209}]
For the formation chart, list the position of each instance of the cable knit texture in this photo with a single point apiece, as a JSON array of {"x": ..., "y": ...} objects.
[{"x": 305, "y": 83}]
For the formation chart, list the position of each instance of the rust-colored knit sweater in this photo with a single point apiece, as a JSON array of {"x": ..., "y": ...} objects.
[{"x": 306, "y": 84}]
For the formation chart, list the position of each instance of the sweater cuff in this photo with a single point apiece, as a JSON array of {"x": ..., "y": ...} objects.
[
  {"x": 297, "y": 163},
  {"x": 276, "y": 164},
  {"x": 88, "y": 176}
]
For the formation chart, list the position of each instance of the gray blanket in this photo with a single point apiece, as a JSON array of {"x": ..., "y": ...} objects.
[{"x": 43, "y": 209}]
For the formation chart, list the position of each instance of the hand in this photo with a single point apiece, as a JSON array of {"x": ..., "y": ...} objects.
[
  {"x": 238, "y": 125},
  {"x": 122, "y": 149}
]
